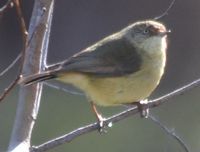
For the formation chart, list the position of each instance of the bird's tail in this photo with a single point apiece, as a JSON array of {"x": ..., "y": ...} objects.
[{"x": 32, "y": 79}]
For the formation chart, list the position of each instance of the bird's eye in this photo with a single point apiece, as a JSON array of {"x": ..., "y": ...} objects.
[{"x": 146, "y": 31}]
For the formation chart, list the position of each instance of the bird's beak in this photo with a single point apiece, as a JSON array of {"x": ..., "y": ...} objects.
[{"x": 164, "y": 32}]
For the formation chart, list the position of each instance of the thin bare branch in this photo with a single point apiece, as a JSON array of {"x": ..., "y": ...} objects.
[
  {"x": 11, "y": 65},
  {"x": 166, "y": 11},
  {"x": 9, "y": 4},
  {"x": 170, "y": 132},
  {"x": 9, "y": 88},
  {"x": 23, "y": 30},
  {"x": 24, "y": 37},
  {"x": 113, "y": 119},
  {"x": 64, "y": 88}
]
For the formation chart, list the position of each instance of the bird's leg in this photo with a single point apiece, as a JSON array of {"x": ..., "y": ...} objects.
[
  {"x": 142, "y": 107},
  {"x": 99, "y": 118},
  {"x": 144, "y": 110}
]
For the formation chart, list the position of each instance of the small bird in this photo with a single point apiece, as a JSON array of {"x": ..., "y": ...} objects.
[{"x": 122, "y": 68}]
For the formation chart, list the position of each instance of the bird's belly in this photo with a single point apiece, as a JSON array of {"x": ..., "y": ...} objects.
[
  {"x": 119, "y": 90},
  {"x": 116, "y": 90}
]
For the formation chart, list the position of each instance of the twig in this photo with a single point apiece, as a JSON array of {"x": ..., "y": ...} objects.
[
  {"x": 24, "y": 37},
  {"x": 11, "y": 65},
  {"x": 7, "y": 90},
  {"x": 169, "y": 132},
  {"x": 23, "y": 30},
  {"x": 113, "y": 119},
  {"x": 63, "y": 88},
  {"x": 9, "y": 4},
  {"x": 166, "y": 11}
]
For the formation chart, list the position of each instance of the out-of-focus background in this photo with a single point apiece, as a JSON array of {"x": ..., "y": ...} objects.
[{"x": 78, "y": 24}]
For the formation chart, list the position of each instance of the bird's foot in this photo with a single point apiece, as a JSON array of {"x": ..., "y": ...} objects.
[
  {"x": 143, "y": 108},
  {"x": 102, "y": 125},
  {"x": 101, "y": 120}
]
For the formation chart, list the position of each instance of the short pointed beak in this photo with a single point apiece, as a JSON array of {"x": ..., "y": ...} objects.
[{"x": 163, "y": 33}]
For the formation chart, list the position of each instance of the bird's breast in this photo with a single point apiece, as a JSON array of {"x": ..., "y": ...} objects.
[{"x": 109, "y": 91}]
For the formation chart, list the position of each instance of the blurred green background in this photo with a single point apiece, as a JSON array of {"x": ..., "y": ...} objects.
[{"x": 78, "y": 24}]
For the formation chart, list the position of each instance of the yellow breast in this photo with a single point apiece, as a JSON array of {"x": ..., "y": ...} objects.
[
  {"x": 126, "y": 89},
  {"x": 119, "y": 90}
]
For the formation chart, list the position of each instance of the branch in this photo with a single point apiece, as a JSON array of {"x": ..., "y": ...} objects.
[
  {"x": 169, "y": 132},
  {"x": 113, "y": 119},
  {"x": 166, "y": 11},
  {"x": 10, "y": 65},
  {"x": 34, "y": 61},
  {"x": 21, "y": 55},
  {"x": 9, "y": 4}
]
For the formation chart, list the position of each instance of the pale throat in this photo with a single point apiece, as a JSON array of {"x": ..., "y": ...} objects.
[
  {"x": 155, "y": 46},
  {"x": 154, "y": 54}
]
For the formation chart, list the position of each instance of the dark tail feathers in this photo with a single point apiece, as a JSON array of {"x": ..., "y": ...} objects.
[{"x": 29, "y": 80}]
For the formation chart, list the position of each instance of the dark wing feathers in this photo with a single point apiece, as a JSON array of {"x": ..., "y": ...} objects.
[{"x": 115, "y": 57}]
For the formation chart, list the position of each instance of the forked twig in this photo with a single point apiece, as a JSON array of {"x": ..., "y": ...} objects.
[
  {"x": 36, "y": 52},
  {"x": 24, "y": 36}
]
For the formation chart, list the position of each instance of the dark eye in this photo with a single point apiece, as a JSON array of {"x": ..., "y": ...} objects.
[{"x": 146, "y": 31}]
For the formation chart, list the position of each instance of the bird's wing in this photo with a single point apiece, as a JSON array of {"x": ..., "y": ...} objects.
[{"x": 113, "y": 57}]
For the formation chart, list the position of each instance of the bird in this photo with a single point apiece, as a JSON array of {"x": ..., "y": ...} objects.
[{"x": 122, "y": 68}]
